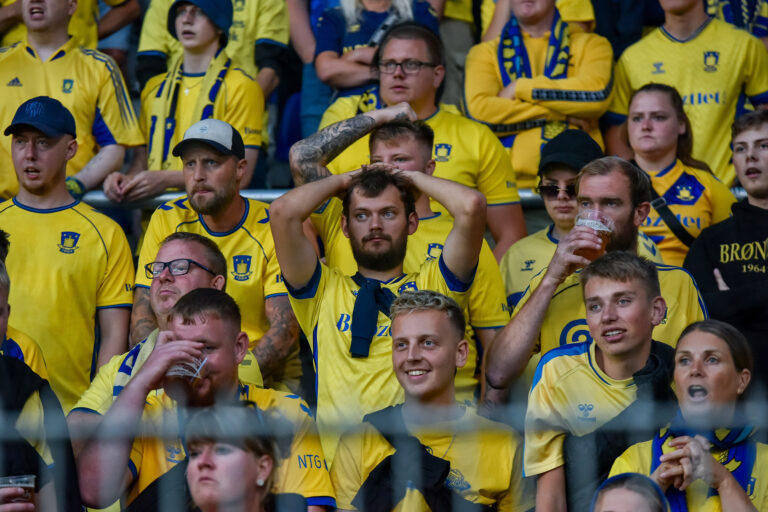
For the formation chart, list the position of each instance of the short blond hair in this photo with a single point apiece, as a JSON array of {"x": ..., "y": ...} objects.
[{"x": 428, "y": 300}]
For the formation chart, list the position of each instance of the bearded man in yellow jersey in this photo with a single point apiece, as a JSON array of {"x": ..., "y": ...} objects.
[
  {"x": 201, "y": 83},
  {"x": 367, "y": 472},
  {"x": 714, "y": 66},
  {"x": 77, "y": 267},
  {"x": 538, "y": 78},
  {"x": 408, "y": 146},
  {"x": 345, "y": 317},
  {"x": 49, "y": 62},
  {"x": 584, "y": 396},
  {"x": 410, "y": 64},
  {"x": 214, "y": 166},
  {"x": 204, "y": 332},
  {"x": 551, "y": 312}
]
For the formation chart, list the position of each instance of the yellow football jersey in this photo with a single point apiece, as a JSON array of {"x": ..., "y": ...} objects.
[
  {"x": 87, "y": 82},
  {"x": 349, "y": 388},
  {"x": 570, "y": 10},
  {"x": 115, "y": 374},
  {"x": 303, "y": 472},
  {"x": 238, "y": 101},
  {"x": 465, "y": 151},
  {"x": 570, "y": 395},
  {"x": 486, "y": 306},
  {"x": 81, "y": 262},
  {"x": 253, "y": 272},
  {"x": 485, "y": 457},
  {"x": 530, "y": 255},
  {"x": 253, "y": 21},
  {"x": 565, "y": 320},
  {"x": 83, "y": 26},
  {"x": 31, "y": 426},
  {"x": 637, "y": 459},
  {"x": 585, "y": 93},
  {"x": 19, "y": 345},
  {"x": 713, "y": 71},
  {"x": 695, "y": 197}
]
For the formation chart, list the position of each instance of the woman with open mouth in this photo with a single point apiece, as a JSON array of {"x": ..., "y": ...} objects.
[{"x": 706, "y": 458}]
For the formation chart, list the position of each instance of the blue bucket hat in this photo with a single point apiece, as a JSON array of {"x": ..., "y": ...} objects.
[
  {"x": 218, "y": 11},
  {"x": 45, "y": 114}
]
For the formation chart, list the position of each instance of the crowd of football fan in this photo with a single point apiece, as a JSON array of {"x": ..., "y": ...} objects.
[{"x": 383, "y": 335}]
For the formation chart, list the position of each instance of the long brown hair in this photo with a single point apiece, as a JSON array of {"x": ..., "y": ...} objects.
[{"x": 685, "y": 139}]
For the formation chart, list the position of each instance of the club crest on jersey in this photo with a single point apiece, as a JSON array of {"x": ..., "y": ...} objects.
[
  {"x": 67, "y": 85},
  {"x": 585, "y": 412},
  {"x": 174, "y": 452},
  {"x": 711, "y": 60},
  {"x": 443, "y": 152},
  {"x": 410, "y": 286},
  {"x": 239, "y": 5},
  {"x": 434, "y": 251},
  {"x": 69, "y": 241},
  {"x": 684, "y": 194},
  {"x": 242, "y": 266}
]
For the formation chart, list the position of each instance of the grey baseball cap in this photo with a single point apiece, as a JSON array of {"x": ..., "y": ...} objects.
[{"x": 219, "y": 135}]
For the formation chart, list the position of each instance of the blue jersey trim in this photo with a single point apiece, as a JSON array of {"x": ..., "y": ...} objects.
[
  {"x": 141, "y": 286},
  {"x": 665, "y": 268},
  {"x": 49, "y": 210},
  {"x": 115, "y": 306},
  {"x": 310, "y": 289},
  {"x": 315, "y": 357},
  {"x": 426, "y": 118},
  {"x": 665, "y": 170},
  {"x": 132, "y": 469},
  {"x": 322, "y": 207},
  {"x": 12, "y": 349},
  {"x": 597, "y": 374},
  {"x": 193, "y": 75},
  {"x": 689, "y": 38},
  {"x": 264, "y": 40},
  {"x": 486, "y": 328},
  {"x": 275, "y": 295},
  {"x": 574, "y": 349},
  {"x": 321, "y": 501},
  {"x": 504, "y": 204},
  {"x": 430, "y": 217},
  {"x": 550, "y": 236},
  {"x": 237, "y": 226},
  {"x": 759, "y": 99},
  {"x": 101, "y": 132},
  {"x": 252, "y": 146},
  {"x": 84, "y": 409},
  {"x": 454, "y": 283},
  {"x": 151, "y": 53},
  {"x": 513, "y": 299}
]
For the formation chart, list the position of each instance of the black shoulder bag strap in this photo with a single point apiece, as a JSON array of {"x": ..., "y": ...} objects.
[{"x": 660, "y": 205}]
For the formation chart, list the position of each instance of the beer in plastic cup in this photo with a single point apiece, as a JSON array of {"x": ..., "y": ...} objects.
[
  {"x": 603, "y": 227},
  {"x": 26, "y": 482}
]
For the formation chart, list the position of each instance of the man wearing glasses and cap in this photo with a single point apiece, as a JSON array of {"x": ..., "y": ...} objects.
[{"x": 77, "y": 269}]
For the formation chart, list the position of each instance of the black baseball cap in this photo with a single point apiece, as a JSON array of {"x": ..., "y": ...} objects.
[{"x": 572, "y": 148}]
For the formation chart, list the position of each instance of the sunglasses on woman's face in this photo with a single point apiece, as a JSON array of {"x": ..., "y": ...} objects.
[{"x": 552, "y": 191}]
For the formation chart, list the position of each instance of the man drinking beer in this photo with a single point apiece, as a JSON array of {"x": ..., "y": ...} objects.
[{"x": 551, "y": 312}]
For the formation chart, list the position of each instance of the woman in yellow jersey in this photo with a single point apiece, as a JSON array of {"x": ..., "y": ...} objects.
[
  {"x": 706, "y": 459},
  {"x": 232, "y": 460},
  {"x": 660, "y": 136}
]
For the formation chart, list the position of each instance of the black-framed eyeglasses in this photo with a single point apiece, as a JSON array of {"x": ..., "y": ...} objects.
[
  {"x": 177, "y": 267},
  {"x": 409, "y": 66},
  {"x": 552, "y": 191}
]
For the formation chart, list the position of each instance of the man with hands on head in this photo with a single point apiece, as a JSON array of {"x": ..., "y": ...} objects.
[
  {"x": 205, "y": 337},
  {"x": 406, "y": 145},
  {"x": 345, "y": 317}
]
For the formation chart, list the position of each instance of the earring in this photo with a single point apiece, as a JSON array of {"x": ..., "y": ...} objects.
[{"x": 260, "y": 482}]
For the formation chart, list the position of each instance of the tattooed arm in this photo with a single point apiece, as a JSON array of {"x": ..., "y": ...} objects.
[
  {"x": 283, "y": 335},
  {"x": 309, "y": 157},
  {"x": 142, "y": 317}
]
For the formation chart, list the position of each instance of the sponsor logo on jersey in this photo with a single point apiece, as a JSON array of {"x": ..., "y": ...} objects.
[
  {"x": 443, "y": 152},
  {"x": 704, "y": 98},
  {"x": 67, "y": 85},
  {"x": 586, "y": 413},
  {"x": 69, "y": 241},
  {"x": 174, "y": 452},
  {"x": 242, "y": 266},
  {"x": 528, "y": 266},
  {"x": 658, "y": 68},
  {"x": 14, "y": 83},
  {"x": 239, "y": 5},
  {"x": 457, "y": 481},
  {"x": 711, "y": 59}
]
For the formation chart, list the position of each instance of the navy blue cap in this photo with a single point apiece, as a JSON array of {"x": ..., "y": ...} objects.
[
  {"x": 44, "y": 114},
  {"x": 218, "y": 11},
  {"x": 572, "y": 148}
]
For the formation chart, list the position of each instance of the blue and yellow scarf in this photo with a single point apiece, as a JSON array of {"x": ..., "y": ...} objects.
[{"x": 737, "y": 441}]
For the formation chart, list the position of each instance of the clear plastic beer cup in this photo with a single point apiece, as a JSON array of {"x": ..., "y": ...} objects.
[
  {"x": 26, "y": 482},
  {"x": 602, "y": 226}
]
